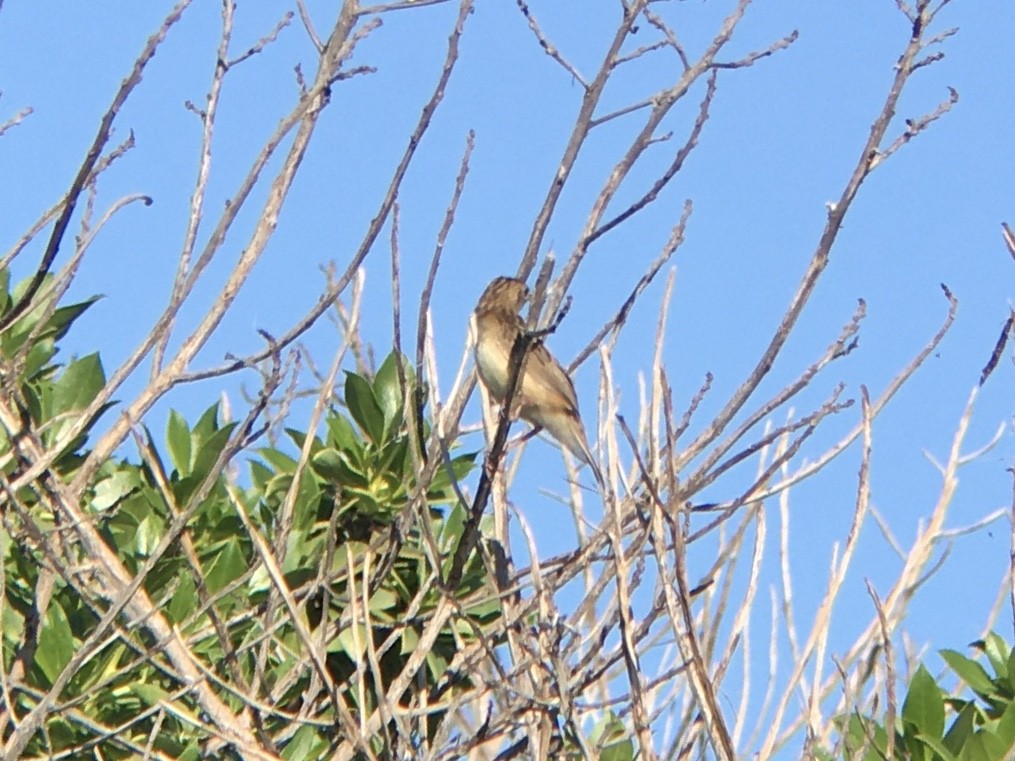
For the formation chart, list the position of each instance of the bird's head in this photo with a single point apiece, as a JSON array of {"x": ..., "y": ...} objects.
[{"x": 504, "y": 294}]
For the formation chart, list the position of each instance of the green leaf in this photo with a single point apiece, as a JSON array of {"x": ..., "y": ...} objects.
[
  {"x": 149, "y": 533},
  {"x": 210, "y": 450},
  {"x": 260, "y": 475},
  {"x": 60, "y": 732},
  {"x": 353, "y": 641},
  {"x": 278, "y": 460},
  {"x": 913, "y": 745},
  {"x": 976, "y": 750},
  {"x": 157, "y": 459},
  {"x": 1005, "y": 729},
  {"x": 21, "y": 287},
  {"x": 1009, "y": 676},
  {"x": 38, "y": 400},
  {"x": 111, "y": 490},
  {"x": 21, "y": 329},
  {"x": 969, "y": 671},
  {"x": 936, "y": 745},
  {"x": 611, "y": 737},
  {"x": 992, "y": 744},
  {"x": 855, "y": 730},
  {"x": 382, "y": 601},
  {"x": 363, "y": 406},
  {"x": 484, "y": 610},
  {"x": 149, "y": 694},
  {"x": 410, "y": 638},
  {"x": 308, "y": 501},
  {"x": 394, "y": 460},
  {"x": 207, "y": 424},
  {"x": 178, "y": 441},
  {"x": 109, "y": 663},
  {"x": 38, "y": 357},
  {"x": 227, "y": 565},
  {"x": 11, "y": 619},
  {"x": 461, "y": 466},
  {"x": 620, "y": 751},
  {"x": 332, "y": 465},
  {"x": 184, "y": 601},
  {"x": 452, "y": 528},
  {"x": 56, "y": 642},
  {"x": 5, "y": 285},
  {"x": 924, "y": 705},
  {"x": 305, "y": 744},
  {"x": 79, "y": 384},
  {"x": 437, "y": 665},
  {"x": 341, "y": 434},
  {"x": 389, "y": 393},
  {"x": 961, "y": 729},
  {"x": 300, "y": 438},
  {"x": 997, "y": 652},
  {"x": 63, "y": 317}
]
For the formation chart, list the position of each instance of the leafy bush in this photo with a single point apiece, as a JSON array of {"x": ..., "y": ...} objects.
[
  {"x": 982, "y": 727},
  {"x": 345, "y": 580}
]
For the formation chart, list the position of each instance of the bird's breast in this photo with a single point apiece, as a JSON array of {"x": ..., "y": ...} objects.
[{"x": 492, "y": 362}]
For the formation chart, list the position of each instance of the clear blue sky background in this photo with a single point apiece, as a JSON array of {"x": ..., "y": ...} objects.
[{"x": 782, "y": 139}]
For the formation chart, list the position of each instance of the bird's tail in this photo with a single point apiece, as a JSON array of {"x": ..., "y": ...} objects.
[{"x": 580, "y": 448}]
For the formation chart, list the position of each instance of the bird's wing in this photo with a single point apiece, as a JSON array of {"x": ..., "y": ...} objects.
[{"x": 546, "y": 382}]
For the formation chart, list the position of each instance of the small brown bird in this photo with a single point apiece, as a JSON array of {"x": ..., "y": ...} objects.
[{"x": 545, "y": 396}]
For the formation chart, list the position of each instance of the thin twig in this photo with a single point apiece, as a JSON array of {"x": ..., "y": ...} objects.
[
  {"x": 15, "y": 120},
  {"x": 549, "y": 47},
  {"x": 431, "y": 278},
  {"x": 262, "y": 43}
]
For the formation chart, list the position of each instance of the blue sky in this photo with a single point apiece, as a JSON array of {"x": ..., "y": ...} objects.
[{"x": 782, "y": 139}]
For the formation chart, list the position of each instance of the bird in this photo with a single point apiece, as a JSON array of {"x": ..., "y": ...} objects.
[{"x": 545, "y": 395}]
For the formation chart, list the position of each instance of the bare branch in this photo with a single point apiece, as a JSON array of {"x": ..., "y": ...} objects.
[
  {"x": 669, "y": 34},
  {"x": 15, "y": 120},
  {"x": 431, "y": 278},
  {"x": 915, "y": 126},
  {"x": 308, "y": 24},
  {"x": 262, "y": 43},
  {"x": 671, "y": 171},
  {"x": 754, "y": 57},
  {"x": 549, "y": 47},
  {"x": 399, "y": 6},
  {"x": 1007, "y": 332}
]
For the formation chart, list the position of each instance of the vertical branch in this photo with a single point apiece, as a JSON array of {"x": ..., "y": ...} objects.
[
  {"x": 470, "y": 532},
  {"x": 431, "y": 277},
  {"x": 207, "y": 115}
]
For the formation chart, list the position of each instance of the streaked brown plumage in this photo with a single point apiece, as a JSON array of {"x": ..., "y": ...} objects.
[{"x": 545, "y": 395}]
